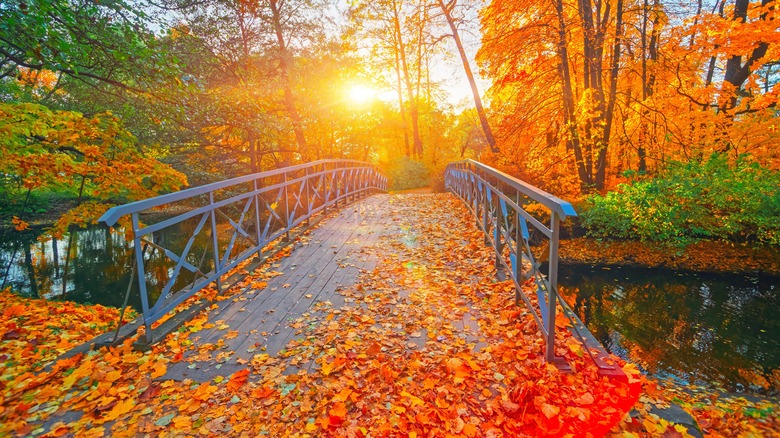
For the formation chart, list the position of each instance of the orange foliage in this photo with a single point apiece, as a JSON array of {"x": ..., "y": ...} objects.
[
  {"x": 92, "y": 156},
  {"x": 666, "y": 104}
]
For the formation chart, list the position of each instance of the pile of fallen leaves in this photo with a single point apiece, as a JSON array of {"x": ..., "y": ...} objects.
[
  {"x": 716, "y": 414},
  {"x": 428, "y": 343},
  {"x": 33, "y": 332},
  {"x": 699, "y": 256}
]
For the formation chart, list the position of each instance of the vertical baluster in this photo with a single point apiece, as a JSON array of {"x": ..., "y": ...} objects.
[
  {"x": 324, "y": 188},
  {"x": 497, "y": 243},
  {"x": 215, "y": 243},
  {"x": 306, "y": 196},
  {"x": 555, "y": 224},
  {"x": 257, "y": 219},
  {"x": 139, "y": 261},
  {"x": 286, "y": 209}
]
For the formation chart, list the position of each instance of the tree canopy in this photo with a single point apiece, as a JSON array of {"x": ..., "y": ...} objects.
[{"x": 579, "y": 92}]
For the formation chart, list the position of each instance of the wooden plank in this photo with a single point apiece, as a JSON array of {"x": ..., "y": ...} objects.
[
  {"x": 329, "y": 273},
  {"x": 302, "y": 255},
  {"x": 326, "y": 289},
  {"x": 304, "y": 271}
]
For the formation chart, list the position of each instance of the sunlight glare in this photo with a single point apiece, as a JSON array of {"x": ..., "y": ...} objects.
[{"x": 361, "y": 94}]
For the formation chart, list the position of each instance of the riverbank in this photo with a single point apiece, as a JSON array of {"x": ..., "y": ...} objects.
[{"x": 702, "y": 256}]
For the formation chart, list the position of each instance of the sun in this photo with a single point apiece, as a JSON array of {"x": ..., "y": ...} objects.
[{"x": 360, "y": 94}]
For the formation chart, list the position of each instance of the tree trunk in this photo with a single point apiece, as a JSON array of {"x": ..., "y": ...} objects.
[
  {"x": 601, "y": 160},
  {"x": 401, "y": 50},
  {"x": 472, "y": 83},
  {"x": 420, "y": 43},
  {"x": 736, "y": 72},
  {"x": 570, "y": 115},
  {"x": 28, "y": 264},
  {"x": 284, "y": 68},
  {"x": 401, "y": 108}
]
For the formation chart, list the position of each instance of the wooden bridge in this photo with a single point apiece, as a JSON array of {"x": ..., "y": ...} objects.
[
  {"x": 307, "y": 301},
  {"x": 287, "y": 304}
]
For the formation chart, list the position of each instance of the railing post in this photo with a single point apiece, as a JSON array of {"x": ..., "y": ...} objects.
[
  {"x": 139, "y": 261},
  {"x": 517, "y": 269},
  {"x": 286, "y": 209},
  {"x": 499, "y": 247},
  {"x": 306, "y": 196},
  {"x": 485, "y": 218},
  {"x": 335, "y": 185},
  {"x": 552, "y": 300},
  {"x": 215, "y": 242},
  {"x": 258, "y": 233}
]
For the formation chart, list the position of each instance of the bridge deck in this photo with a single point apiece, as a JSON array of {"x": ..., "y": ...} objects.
[{"x": 302, "y": 290}]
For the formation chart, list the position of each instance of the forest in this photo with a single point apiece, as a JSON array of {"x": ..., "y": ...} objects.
[{"x": 658, "y": 119}]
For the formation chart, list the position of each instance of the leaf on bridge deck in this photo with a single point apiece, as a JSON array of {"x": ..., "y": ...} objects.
[
  {"x": 237, "y": 380},
  {"x": 475, "y": 371}
]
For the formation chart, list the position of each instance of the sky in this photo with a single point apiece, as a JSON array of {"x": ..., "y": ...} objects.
[{"x": 446, "y": 69}]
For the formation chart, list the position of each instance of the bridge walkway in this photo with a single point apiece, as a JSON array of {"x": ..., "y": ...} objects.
[{"x": 308, "y": 287}]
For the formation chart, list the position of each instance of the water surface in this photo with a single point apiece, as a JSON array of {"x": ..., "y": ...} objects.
[{"x": 714, "y": 330}]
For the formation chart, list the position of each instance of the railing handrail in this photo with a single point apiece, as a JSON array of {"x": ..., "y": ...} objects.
[
  {"x": 505, "y": 223},
  {"x": 298, "y": 197},
  {"x": 563, "y": 208},
  {"x": 112, "y": 216}
]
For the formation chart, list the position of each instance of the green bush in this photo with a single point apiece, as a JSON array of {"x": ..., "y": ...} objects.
[
  {"x": 699, "y": 199},
  {"x": 406, "y": 173}
]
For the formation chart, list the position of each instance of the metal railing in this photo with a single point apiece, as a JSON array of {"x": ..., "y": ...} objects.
[
  {"x": 500, "y": 204},
  {"x": 230, "y": 221}
]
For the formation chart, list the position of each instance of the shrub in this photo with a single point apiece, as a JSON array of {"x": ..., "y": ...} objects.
[
  {"x": 699, "y": 199},
  {"x": 406, "y": 173}
]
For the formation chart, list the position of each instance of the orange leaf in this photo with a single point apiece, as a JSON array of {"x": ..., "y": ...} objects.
[
  {"x": 549, "y": 410},
  {"x": 238, "y": 379},
  {"x": 585, "y": 399},
  {"x": 338, "y": 410},
  {"x": 263, "y": 392},
  {"x": 159, "y": 370},
  {"x": 119, "y": 409}
]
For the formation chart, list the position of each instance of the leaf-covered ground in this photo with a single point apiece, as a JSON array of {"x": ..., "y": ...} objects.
[
  {"x": 427, "y": 344},
  {"x": 702, "y": 256}
]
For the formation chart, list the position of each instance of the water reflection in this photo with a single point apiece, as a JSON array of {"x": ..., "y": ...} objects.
[
  {"x": 98, "y": 268},
  {"x": 707, "y": 329}
]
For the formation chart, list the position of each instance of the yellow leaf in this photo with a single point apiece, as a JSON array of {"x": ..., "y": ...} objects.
[
  {"x": 416, "y": 401},
  {"x": 327, "y": 368},
  {"x": 549, "y": 410},
  {"x": 159, "y": 370},
  {"x": 119, "y": 409}
]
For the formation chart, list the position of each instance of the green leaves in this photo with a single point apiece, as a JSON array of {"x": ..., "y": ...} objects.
[
  {"x": 700, "y": 199},
  {"x": 95, "y": 42}
]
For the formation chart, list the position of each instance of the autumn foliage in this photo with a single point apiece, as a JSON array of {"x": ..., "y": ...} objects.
[
  {"x": 94, "y": 158},
  {"x": 428, "y": 345},
  {"x": 583, "y": 91}
]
